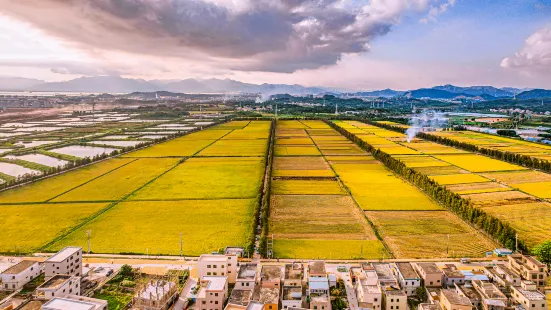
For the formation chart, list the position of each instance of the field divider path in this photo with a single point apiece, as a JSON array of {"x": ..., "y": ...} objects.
[
  {"x": 99, "y": 176},
  {"x": 343, "y": 186},
  {"x": 113, "y": 204}
]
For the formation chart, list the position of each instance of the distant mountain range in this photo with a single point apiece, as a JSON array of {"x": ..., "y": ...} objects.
[{"x": 115, "y": 84}]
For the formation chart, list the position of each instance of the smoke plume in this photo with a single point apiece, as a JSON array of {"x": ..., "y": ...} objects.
[{"x": 427, "y": 120}]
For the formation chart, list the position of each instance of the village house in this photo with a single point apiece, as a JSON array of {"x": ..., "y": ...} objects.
[
  {"x": 451, "y": 300},
  {"x": 270, "y": 276},
  {"x": 430, "y": 273},
  {"x": 294, "y": 275},
  {"x": 212, "y": 293},
  {"x": 452, "y": 276},
  {"x": 467, "y": 290},
  {"x": 529, "y": 268},
  {"x": 58, "y": 286},
  {"x": 74, "y": 302},
  {"x": 528, "y": 296},
  {"x": 218, "y": 265},
  {"x": 395, "y": 299},
  {"x": 368, "y": 292},
  {"x": 408, "y": 278},
  {"x": 291, "y": 297},
  {"x": 15, "y": 277},
  {"x": 65, "y": 262}
]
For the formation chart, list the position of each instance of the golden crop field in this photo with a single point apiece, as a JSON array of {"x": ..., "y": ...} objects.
[
  {"x": 307, "y": 187},
  {"x": 121, "y": 182},
  {"x": 49, "y": 188},
  {"x": 328, "y": 249},
  {"x": 419, "y": 234},
  {"x": 301, "y": 166},
  {"x": 296, "y": 150},
  {"x": 519, "y": 177},
  {"x": 540, "y": 189},
  {"x": 478, "y": 163},
  {"x": 459, "y": 179},
  {"x": 151, "y": 200},
  {"x": 207, "y": 178},
  {"x": 154, "y": 228},
  {"x": 28, "y": 227}
]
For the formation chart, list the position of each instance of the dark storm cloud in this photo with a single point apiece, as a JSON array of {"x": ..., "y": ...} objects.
[{"x": 268, "y": 35}]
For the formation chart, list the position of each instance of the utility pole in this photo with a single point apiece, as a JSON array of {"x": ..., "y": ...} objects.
[
  {"x": 516, "y": 243},
  {"x": 336, "y": 109},
  {"x": 181, "y": 245},
  {"x": 448, "y": 246},
  {"x": 88, "y": 234}
]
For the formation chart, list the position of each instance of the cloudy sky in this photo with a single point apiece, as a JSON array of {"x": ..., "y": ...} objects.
[{"x": 347, "y": 44}]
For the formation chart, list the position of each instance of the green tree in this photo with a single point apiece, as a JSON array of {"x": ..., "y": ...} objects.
[
  {"x": 421, "y": 293},
  {"x": 543, "y": 252},
  {"x": 338, "y": 304},
  {"x": 126, "y": 271}
]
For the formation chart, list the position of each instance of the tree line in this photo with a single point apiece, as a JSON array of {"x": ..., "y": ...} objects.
[{"x": 464, "y": 208}]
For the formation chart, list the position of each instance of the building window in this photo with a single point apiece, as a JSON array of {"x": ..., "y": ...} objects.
[
  {"x": 391, "y": 300},
  {"x": 216, "y": 302},
  {"x": 204, "y": 302},
  {"x": 215, "y": 294},
  {"x": 391, "y": 307}
]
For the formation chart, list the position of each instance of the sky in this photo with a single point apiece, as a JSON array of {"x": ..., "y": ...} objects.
[{"x": 343, "y": 44}]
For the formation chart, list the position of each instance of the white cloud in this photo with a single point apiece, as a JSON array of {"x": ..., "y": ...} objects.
[
  {"x": 534, "y": 56},
  {"x": 437, "y": 10}
]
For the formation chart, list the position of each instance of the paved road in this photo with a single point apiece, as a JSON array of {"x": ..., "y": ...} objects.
[{"x": 179, "y": 305}]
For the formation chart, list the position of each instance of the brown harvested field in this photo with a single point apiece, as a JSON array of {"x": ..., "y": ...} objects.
[
  {"x": 291, "y": 133},
  {"x": 424, "y": 234},
  {"x": 327, "y": 217},
  {"x": 532, "y": 221},
  {"x": 300, "y": 163},
  {"x": 519, "y": 177},
  {"x": 440, "y": 170},
  {"x": 293, "y": 141},
  {"x": 293, "y": 150},
  {"x": 499, "y": 198},
  {"x": 475, "y": 188}
]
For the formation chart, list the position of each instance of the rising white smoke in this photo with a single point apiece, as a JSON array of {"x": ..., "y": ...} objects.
[{"x": 427, "y": 120}]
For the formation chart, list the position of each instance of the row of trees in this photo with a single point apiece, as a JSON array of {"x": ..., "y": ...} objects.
[
  {"x": 262, "y": 211},
  {"x": 499, "y": 230},
  {"x": 517, "y": 159}
]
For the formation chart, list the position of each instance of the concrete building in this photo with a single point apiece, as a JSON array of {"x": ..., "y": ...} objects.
[
  {"x": 427, "y": 306},
  {"x": 156, "y": 294},
  {"x": 502, "y": 275},
  {"x": 316, "y": 268},
  {"x": 450, "y": 300},
  {"x": 58, "y": 286},
  {"x": 368, "y": 292},
  {"x": 270, "y": 276},
  {"x": 394, "y": 299},
  {"x": 488, "y": 291},
  {"x": 452, "y": 276},
  {"x": 294, "y": 275},
  {"x": 15, "y": 277},
  {"x": 246, "y": 277},
  {"x": 218, "y": 265},
  {"x": 73, "y": 302},
  {"x": 318, "y": 293},
  {"x": 431, "y": 274},
  {"x": 492, "y": 304},
  {"x": 408, "y": 278},
  {"x": 234, "y": 250},
  {"x": 212, "y": 293},
  {"x": 65, "y": 262},
  {"x": 528, "y": 296},
  {"x": 291, "y": 297},
  {"x": 529, "y": 268},
  {"x": 467, "y": 290},
  {"x": 269, "y": 297},
  {"x": 240, "y": 297}
]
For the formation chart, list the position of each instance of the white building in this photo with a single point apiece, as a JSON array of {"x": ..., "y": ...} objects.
[
  {"x": 246, "y": 277},
  {"x": 408, "y": 278},
  {"x": 218, "y": 265},
  {"x": 58, "y": 286},
  {"x": 212, "y": 293},
  {"x": 73, "y": 302},
  {"x": 291, "y": 297},
  {"x": 395, "y": 299},
  {"x": 65, "y": 262},
  {"x": 18, "y": 275},
  {"x": 528, "y": 296}
]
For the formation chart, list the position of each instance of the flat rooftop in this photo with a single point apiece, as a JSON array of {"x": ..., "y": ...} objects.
[
  {"x": 68, "y": 304},
  {"x": 292, "y": 293},
  {"x": 531, "y": 295},
  {"x": 247, "y": 271},
  {"x": 453, "y": 272},
  {"x": 269, "y": 295},
  {"x": 213, "y": 258},
  {"x": 55, "y": 282},
  {"x": 63, "y": 254},
  {"x": 234, "y": 250},
  {"x": 294, "y": 271},
  {"x": 428, "y": 306},
  {"x": 316, "y": 267},
  {"x": 455, "y": 298},
  {"x": 429, "y": 267},
  {"x": 470, "y": 292},
  {"x": 270, "y": 273},
  {"x": 407, "y": 271},
  {"x": 215, "y": 283},
  {"x": 19, "y": 267},
  {"x": 240, "y": 297},
  {"x": 384, "y": 272},
  {"x": 255, "y": 305},
  {"x": 394, "y": 292}
]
